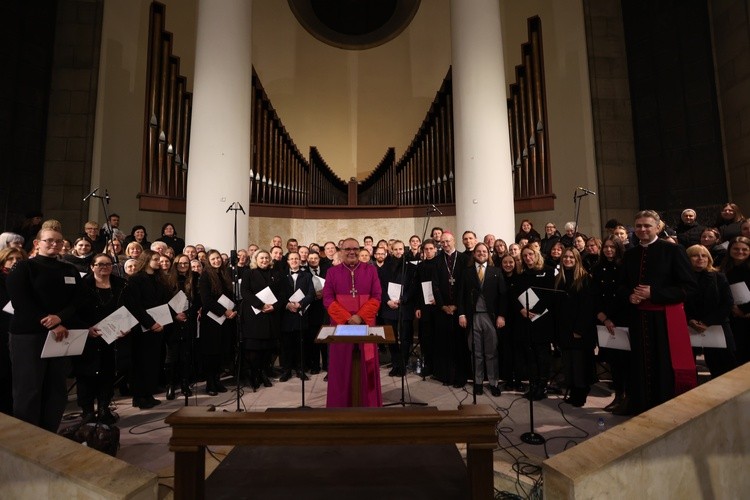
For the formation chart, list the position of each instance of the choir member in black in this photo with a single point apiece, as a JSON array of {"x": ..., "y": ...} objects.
[
  {"x": 610, "y": 309},
  {"x": 96, "y": 368},
  {"x": 469, "y": 239},
  {"x": 46, "y": 294},
  {"x": 294, "y": 323},
  {"x": 553, "y": 258},
  {"x": 509, "y": 358},
  {"x": 8, "y": 258},
  {"x": 317, "y": 316},
  {"x": 574, "y": 320},
  {"x": 527, "y": 232},
  {"x": 169, "y": 236},
  {"x": 591, "y": 256},
  {"x": 147, "y": 288},
  {"x": 657, "y": 280},
  {"x": 414, "y": 253},
  {"x": 688, "y": 230},
  {"x": 91, "y": 232},
  {"x": 711, "y": 239},
  {"x": 451, "y": 349},
  {"x": 397, "y": 270},
  {"x": 215, "y": 282},
  {"x": 138, "y": 235},
  {"x": 737, "y": 269},
  {"x": 711, "y": 306},
  {"x": 482, "y": 308},
  {"x": 622, "y": 232},
  {"x": 499, "y": 250},
  {"x": 534, "y": 326},
  {"x": 426, "y": 312},
  {"x": 80, "y": 255},
  {"x": 551, "y": 236},
  {"x": 728, "y": 221},
  {"x": 261, "y": 322},
  {"x": 181, "y": 339}
]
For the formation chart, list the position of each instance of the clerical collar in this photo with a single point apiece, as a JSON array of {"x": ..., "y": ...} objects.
[{"x": 649, "y": 243}]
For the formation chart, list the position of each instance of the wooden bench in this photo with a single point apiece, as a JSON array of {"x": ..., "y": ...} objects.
[{"x": 193, "y": 428}]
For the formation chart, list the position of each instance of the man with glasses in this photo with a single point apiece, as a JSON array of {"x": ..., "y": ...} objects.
[
  {"x": 46, "y": 295},
  {"x": 352, "y": 296}
]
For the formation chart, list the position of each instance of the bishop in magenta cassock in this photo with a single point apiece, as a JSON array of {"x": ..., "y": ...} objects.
[{"x": 351, "y": 295}]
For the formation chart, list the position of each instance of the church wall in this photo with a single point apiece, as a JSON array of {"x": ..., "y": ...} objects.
[{"x": 569, "y": 113}]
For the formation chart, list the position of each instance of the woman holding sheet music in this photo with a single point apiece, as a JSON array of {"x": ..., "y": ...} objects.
[
  {"x": 214, "y": 284},
  {"x": 711, "y": 306},
  {"x": 737, "y": 268},
  {"x": 8, "y": 258},
  {"x": 95, "y": 369},
  {"x": 147, "y": 288}
]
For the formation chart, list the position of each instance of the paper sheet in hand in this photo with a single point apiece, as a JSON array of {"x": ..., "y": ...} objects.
[
  {"x": 377, "y": 331},
  {"x": 394, "y": 291},
  {"x": 297, "y": 296},
  {"x": 351, "y": 331},
  {"x": 119, "y": 321},
  {"x": 712, "y": 337},
  {"x": 179, "y": 303},
  {"x": 266, "y": 296},
  {"x": 620, "y": 340},
  {"x": 9, "y": 308},
  {"x": 326, "y": 332},
  {"x": 740, "y": 293},
  {"x": 160, "y": 314},
  {"x": 429, "y": 296},
  {"x": 533, "y": 299},
  {"x": 71, "y": 346},
  {"x": 227, "y": 303},
  {"x": 318, "y": 283}
]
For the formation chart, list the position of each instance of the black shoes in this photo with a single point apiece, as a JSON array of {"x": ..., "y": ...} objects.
[
  {"x": 302, "y": 375},
  {"x": 495, "y": 391},
  {"x": 170, "y": 392},
  {"x": 107, "y": 417},
  {"x": 145, "y": 403},
  {"x": 397, "y": 371},
  {"x": 218, "y": 386},
  {"x": 478, "y": 391},
  {"x": 285, "y": 376},
  {"x": 185, "y": 389}
]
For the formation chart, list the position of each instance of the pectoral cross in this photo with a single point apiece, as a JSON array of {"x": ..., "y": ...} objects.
[
  {"x": 353, "y": 291},
  {"x": 452, "y": 280}
]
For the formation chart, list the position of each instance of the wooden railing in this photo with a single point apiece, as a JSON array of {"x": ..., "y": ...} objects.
[
  {"x": 166, "y": 139},
  {"x": 527, "y": 118}
]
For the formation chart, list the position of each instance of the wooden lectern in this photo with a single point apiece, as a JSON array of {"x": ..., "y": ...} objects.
[{"x": 325, "y": 336}]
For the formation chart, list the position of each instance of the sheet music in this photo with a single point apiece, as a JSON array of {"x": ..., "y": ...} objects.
[
  {"x": 427, "y": 293},
  {"x": 318, "y": 283},
  {"x": 740, "y": 293},
  {"x": 378, "y": 331},
  {"x": 160, "y": 314},
  {"x": 9, "y": 308},
  {"x": 266, "y": 296},
  {"x": 71, "y": 346},
  {"x": 227, "y": 303},
  {"x": 119, "y": 321},
  {"x": 326, "y": 332},
  {"x": 620, "y": 340},
  {"x": 394, "y": 291},
  {"x": 533, "y": 299},
  {"x": 297, "y": 296},
  {"x": 712, "y": 337},
  {"x": 179, "y": 303}
]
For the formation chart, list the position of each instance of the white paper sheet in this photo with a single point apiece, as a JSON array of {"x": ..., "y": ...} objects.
[
  {"x": 227, "y": 303},
  {"x": 427, "y": 293},
  {"x": 160, "y": 314},
  {"x": 326, "y": 332},
  {"x": 179, "y": 303},
  {"x": 378, "y": 331},
  {"x": 9, "y": 308},
  {"x": 318, "y": 283},
  {"x": 533, "y": 299},
  {"x": 71, "y": 346},
  {"x": 394, "y": 291},
  {"x": 740, "y": 293},
  {"x": 620, "y": 340},
  {"x": 266, "y": 296},
  {"x": 297, "y": 296},
  {"x": 712, "y": 337},
  {"x": 119, "y": 321}
]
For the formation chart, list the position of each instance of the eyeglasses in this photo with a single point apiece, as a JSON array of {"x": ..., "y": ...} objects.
[
  {"x": 108, "y": 264},
  {"x": 183, "y": 263},
  {"x": 52, "y": 241}
]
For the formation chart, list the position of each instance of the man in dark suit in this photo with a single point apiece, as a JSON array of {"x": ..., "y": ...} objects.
[
  {"x": 294, "y": 319},
  {"x": 482, "y": 308},
  {"x": 316, "y": 317},
  {"x": 451, "y": 350}
]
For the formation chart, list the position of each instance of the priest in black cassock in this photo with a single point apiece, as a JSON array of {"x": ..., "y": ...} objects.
[{"x": 657, "y": 279}]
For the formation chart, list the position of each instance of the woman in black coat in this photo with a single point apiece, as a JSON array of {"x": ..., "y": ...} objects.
[
  {"x": 169, "y": 236},
  {"x": 527, "y": 232},
  {"x": 261, "y": 322},
  {"x": 575, "y": 326},
  {"x": 147, "y": 288},
  {"x": 96, "y": 368},
  {"x": 215, "y": 282},
  {"x": 737, "y": 269},
  {"x": 610, "y": 311},
  {"x": 533, "y": 328},
  {"x": 728, "y": 221},
  {"x": 8, "y": 258},
  {"x": 510, "y": 357},
  {"x": 711, "y": 306}
]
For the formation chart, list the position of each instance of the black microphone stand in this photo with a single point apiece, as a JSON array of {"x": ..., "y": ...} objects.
[
  {"x": 236, "y": 207},
  {"x": 577, "y": 204},
  {"x": 302, "y": 355},
  {"x": 428, "y": 216}
]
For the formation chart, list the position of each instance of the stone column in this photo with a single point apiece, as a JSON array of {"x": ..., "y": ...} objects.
[
  {"x": 219, "y": 161},
  {"x": 484, "y": 182}
]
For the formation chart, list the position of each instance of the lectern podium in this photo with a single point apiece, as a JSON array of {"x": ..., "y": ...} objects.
[{"x": 345, "y": 334}]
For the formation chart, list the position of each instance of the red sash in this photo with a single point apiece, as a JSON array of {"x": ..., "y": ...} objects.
[{"x": 680, "y": 350}]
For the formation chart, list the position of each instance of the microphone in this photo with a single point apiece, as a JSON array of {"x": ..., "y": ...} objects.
[
  {"x": 106, "y": 195},
  {"x": 587, "y": 191},
  {"x": 436, "y": 209},
  {"x": 92, "y": 193}
]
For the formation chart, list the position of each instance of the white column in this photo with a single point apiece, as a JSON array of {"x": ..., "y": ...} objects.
[
  {"x": 484, "y": 181},
  {"x": 220, "y": 156}
]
